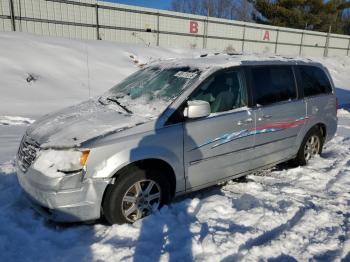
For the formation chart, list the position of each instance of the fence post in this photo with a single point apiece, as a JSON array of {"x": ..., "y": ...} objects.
[
  {"x": 243, "y": 39},
  {"x": 205, "y": 33},
  {"x": 158, "y": 29},
  {"x": 301, "y": 43},
  {"x": 12, "y": 13},
  {"x": 276, "y": 44},
  {"x": 325, "y": 54},
  {"x": 97, "y": 23}
]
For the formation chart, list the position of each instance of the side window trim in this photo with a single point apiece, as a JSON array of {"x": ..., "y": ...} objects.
[
  {"x": 298, "y": 82},
  {"x": 276, "y": 103},
  {"x": 296, "y": 85},
  {"x": 248, "y": 79}
]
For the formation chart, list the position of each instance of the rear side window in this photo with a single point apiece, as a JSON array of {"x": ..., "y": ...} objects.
[
  {"x": 273, "y": 84},
  {"x": 314, "y": 81}
]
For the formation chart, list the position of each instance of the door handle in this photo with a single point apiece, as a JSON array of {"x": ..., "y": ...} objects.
[
  {"x": 245, "y": 121},
  {"x": 267, "y": 116}
]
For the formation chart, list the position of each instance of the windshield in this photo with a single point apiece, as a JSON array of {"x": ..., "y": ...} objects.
[{"x": 150, "y": 90}]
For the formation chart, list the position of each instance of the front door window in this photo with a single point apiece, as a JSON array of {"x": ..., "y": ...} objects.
[{"x": 224, "y": 92}]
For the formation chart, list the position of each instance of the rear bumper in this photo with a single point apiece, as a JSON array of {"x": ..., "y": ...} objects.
[{"x": 80, "y": 203}]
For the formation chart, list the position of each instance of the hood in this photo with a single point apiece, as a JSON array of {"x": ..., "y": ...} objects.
[{"x": 75, "y": 125}]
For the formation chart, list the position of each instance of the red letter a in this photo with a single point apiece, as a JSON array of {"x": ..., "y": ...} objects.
[{"x": 266, "y": 36}]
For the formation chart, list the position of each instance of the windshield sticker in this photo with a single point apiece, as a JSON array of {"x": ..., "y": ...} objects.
[{"x": 187, "y": 75}]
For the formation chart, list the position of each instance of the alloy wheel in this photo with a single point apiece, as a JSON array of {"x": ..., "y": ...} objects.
[
  {"x": 312, "y": 147},
  {"x": 141, "y": 199}
]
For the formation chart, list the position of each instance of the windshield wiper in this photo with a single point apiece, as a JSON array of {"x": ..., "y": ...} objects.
[
  {"x": 100, "y": 101},
  {"x": 119, "y": 104}
]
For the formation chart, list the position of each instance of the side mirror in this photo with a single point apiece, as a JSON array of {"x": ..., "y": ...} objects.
[{"x": 197, "y": 109}]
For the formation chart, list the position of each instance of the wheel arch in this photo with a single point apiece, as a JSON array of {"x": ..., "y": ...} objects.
[
  {"x": 322, "y": 127},
  {"x": 319, "y": 125},
  {"x": 148, "y": 163}
]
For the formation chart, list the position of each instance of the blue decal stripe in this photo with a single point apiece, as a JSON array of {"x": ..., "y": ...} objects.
[{"x": 228, "y": 137}]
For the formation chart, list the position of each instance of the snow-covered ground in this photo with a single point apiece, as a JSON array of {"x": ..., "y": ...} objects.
[{"x": 284, "y": 214}]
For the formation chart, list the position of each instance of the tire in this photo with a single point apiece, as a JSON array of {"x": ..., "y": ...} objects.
[
  {"x": 302, "y": 158},
  {"x": 129, "y": 191}
]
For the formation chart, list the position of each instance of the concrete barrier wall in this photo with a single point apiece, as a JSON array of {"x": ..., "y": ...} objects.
[{"x": 90, "y": 19}]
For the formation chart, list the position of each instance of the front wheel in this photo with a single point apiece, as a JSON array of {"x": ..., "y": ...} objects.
[
  {"x": 310, "y": 147},
  {"x": 135, "y": 194}
]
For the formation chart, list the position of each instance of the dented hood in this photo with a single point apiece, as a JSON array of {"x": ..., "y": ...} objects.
[{"x": 75, "y": 125}]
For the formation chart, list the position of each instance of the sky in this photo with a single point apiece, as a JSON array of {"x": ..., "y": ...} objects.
[{"x": 159, "y": 4}]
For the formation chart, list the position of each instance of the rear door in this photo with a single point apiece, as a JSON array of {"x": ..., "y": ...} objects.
[
  {"x": 215, "y": 147},
  {"x": 280, "y": 112},
  {"x": 319, "y": 97}
]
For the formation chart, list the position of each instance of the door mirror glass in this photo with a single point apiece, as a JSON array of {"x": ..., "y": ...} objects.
[{"x": 197, "y": 109}]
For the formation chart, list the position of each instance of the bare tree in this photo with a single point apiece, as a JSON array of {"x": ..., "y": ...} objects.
[
  {"x": 229, "y": 9},
  {"x": 184, "y": 6},
  {"x": 243, "y": 11},
  {"x": 178, "y": 6}
]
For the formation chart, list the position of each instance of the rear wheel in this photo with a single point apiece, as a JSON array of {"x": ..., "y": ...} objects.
[
  {"x": 310, "y": 147},
  {"x": 135, "y": 194}
]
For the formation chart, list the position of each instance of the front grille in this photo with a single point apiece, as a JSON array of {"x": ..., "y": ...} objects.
[{"x": 27, "y": 153}]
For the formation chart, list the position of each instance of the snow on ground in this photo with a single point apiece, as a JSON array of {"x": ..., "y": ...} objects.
[
  {"x": 43, "y": 74},
  {"x": 15, "y": 120},
  {"x": 283, "y": 214}
]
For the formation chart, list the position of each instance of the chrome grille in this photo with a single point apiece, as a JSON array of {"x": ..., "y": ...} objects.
[{"x": 27, "y": 153}]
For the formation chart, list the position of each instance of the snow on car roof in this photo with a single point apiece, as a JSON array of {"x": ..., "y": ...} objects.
[{"x": 228, "y": 60}]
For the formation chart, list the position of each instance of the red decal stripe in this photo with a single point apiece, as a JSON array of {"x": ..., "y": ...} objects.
[{"x": 283, "y": 125}]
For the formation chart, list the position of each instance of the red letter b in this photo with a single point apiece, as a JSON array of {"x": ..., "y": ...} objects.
[{"x": 193, "y": 27}]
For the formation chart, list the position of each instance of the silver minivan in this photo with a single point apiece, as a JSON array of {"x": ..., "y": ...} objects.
[{"x": 174, "y": 127}]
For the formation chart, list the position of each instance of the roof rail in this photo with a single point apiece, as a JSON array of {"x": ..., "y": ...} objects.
[
  {"x": 220, "y": 53},
  {"x": 233, "y": 53}
]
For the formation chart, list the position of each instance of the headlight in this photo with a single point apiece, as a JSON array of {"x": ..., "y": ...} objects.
[{"x": 54, "y": 162}]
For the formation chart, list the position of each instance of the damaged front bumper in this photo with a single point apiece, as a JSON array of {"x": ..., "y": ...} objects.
[{"x": 69, "y": 198}]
